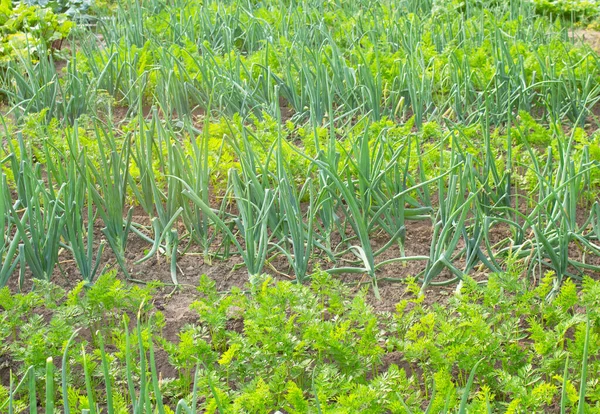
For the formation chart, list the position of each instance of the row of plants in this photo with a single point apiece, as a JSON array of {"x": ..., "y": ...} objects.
[
  {"x": 427, "y": 59},
  {"x": 584, "y": 10},
  {"x": 495, "y": 348},
  {"x": 279, "y": 190}
]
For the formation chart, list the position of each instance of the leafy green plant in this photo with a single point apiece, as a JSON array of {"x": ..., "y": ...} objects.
[
  {"x": 28, "y": 30},
  {"x": 71, "y": 8}
]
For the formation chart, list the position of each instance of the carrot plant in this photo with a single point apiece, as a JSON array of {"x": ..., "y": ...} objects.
[{"x": 302, "y": 348}]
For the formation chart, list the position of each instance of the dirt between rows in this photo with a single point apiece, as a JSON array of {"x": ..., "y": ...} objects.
[{"x": 232, "y": 272}]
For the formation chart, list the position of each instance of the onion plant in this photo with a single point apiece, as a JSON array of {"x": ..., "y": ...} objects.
[
  {"x": 384, "y": 185},
  {"x": 447, "y": 230},
  {"x": 192, "y": 166},
  {"x": 301, "y": 232},
  {"x": 252, "y": 223},
  {"x": 254, "y": 192},
  {"x": 460, "y": 217},
  {"x": 33, "y": 87},
  {"x": 339, "y": 189},
  {"x": 9, "y": 234},
  {"x": 38, "y": 214},
  {"x": 553, "y": 220},
  {"x": 164, "y": 208},
  {"x": 78, "y": 208},
  {"x": 108, "y": 191}
]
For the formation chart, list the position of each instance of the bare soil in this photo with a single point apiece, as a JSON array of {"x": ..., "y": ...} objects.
[
  {"x": 591, "y": 37},
  {"x": 232, "y": 272}
]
